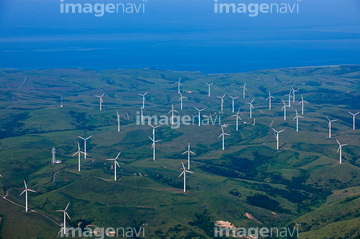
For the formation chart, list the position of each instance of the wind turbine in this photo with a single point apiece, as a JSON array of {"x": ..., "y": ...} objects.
[
  {"x": 237, "y": 119},
  {"x": 269, "y": 99},
  {"x": 244, "y": 89},
  {"x": 222, "y": 102},
  {"x": 189, "y": 152},
  {"x": 223, "y": 137},
  {"x": 297, "y": 120},
  {"x": 251, "y": 107},
  {"x": 85, "y": 144},
  {"x": 115, "y": 164},
  {"x": 209, "y": 85},
  {"x": 277, "y": 137},
  {"x": 179, "y": 84},
  {"x": 153, "y": 131},
  {"x": 26, "y": 195},
  {"x": 153, "y": 146},
  {"x": 61, "y": 103},
  {"x": 354, "y": 115},
  {"x": 181, "y": 102},
  {"x": 184, "y": 172},
  {"x": 172, "y": 113},
  {"x": 233, "y": 102},
  {"x": 330, "y": 121},
  {"x": 118, "y": 120},
  {"x": 340, "y": 149},
  {"x": 284, "y": 109},
  {"x": 199, "y": 114},
  {"x": 302, "y": 104},
  {"x": 293, "y": 93},
  {"x": 65, "y": 215},
  {"x": 101, "y": 100},
  {"x": 143, "y": 96},
  {"x": 79, "y": 152},
  {"x": 289, "y": 105}
]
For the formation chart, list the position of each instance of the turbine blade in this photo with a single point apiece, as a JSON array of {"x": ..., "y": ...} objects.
[
  {"x": 188, "y": 171},
  {"x": 25, "y": 184},
  {"x": 117, "y": 164},
  {"x": 67, "y": 206},
  {"x": 183, "y": 165},
  {"x": 31, "y": 190},
  {"x": 118, "y": 155},
  {"x": 181, "y": 174},
  {"x": 81, "y": 137},
  {"x": 22, "y": 192},
  {"x": 67, "y": 215}
]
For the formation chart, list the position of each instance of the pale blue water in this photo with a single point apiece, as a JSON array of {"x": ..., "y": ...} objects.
[{"x": 179, "y": 35}]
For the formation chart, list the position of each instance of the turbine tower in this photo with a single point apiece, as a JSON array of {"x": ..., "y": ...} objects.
[
  {"x": 277, "y": 137},
  {"x": 233, "y": 102},
  {"x": 143, "y": 96},
  {"x": 65, "y": 215},
  {"x": 26, "y": 195},
  {"x": 181, "y": 101},
  {"x": 290, "y": 93},
  {"x": 179, "y": 84},
  {"x": 297, "y": 120},
  {"x": 222, "y": 102},
  {"x": 251, "y": 107},
  {"x": 340, "y": 149},
  {"x": 53, "y": 152},
  {"x": 101, "y": 100},
  {"x": 302, "y": 104},
  {"x": 269, "y": 99},
  {"x": 330, "y": 121},
  {"x": 189, "y": 152},
  {"x": 284, "y": 109},
  {"x": 79, "y": 152},
  {"x": 172, "y": 113},
  {"x": 85, "y": 144},
  {"x": 115, "y": 164},
  {"x": 237, "y": 119},
  {"x": 293, "y": 93},
  {"x": 244, "y": 89},
  {"x": 184, "y": 172},
  {"x": 209, "y": 85},
  {"x": 199, "y": 114},
  {"x": 223, "y": 137},
  {"x": 118, "y": 121},
  {"x": 153, "y": 146},
  {"x": 141, "y": 114},
  {"x": 354, "y": 120}
]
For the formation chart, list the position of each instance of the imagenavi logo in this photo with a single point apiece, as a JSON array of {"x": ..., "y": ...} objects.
[
  {"x": 100, "y": 9},
  {"x": 254, "y": 9}
]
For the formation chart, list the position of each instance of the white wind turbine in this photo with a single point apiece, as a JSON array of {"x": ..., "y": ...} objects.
[
  {"x": 297, "y": 120},
  {"x": 269, "y": 99},
  {"x": 153, "y": 129},
  {"x": 340, "y": 149},
  {"x": 26, "y": 195},
  {"x": 223, "y": 137},
  {"x": 115, "y": 164},
  {"x": 330, "y": 121},
  {"x": 277, "y": 137},
  {"x": 118, "y": 121},
  {"x": 184, "y": 172},
  {"x": 251, "y": 107},
  {"x": 189, "y": 152},
  {"x": 172, "y": 111},
  {"x": 284, "y": 109},
  {"x": 293, "y": 93},
  {"x": 244, "y": 89},
  {"x": 179, "y": 84},
  {"x": 233, "y": 102},
  {"x": 65, "y": 215},
  {"x": 209, "y": 85},
  {"x": 181, "y": 101},
  {"x": 290, "y": 93},
  {"x": 222, "y": 102},
  {"x": 302, "y": 104},
  {"x": 199, "y": 114},
  {"x": 143, "y": 96},
  {"x": 354, "y": 120},
  {"x": 237, "y": 119},
  {"x": 85, "y": 154},
  {"x": 153, "y": 146},
  {"x": 101, "y": 100},
  {"x": 79, "y": 152}
]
